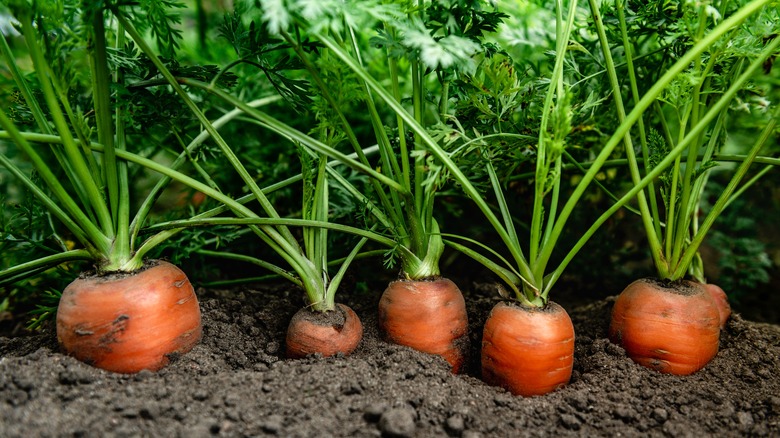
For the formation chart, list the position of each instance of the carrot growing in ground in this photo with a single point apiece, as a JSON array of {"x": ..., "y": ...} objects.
[
  {"x": 528, "y": 276},
  {"x": 427, "y": 315},
  {"x": 129, "y": 322},
  {"x": 444, "y": 163},
  {"x": 513, "y": 334},
  {"x": 322, "y": 326},
  {"x": 671, "y": 324},
  {"x": 422, "y": 309},
  {"x": 129, "y": 313},
  {"x": 672, "y": 327}
]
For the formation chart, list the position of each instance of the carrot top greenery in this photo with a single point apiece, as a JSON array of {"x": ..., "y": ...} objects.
[{"x": 419, "y": 98}]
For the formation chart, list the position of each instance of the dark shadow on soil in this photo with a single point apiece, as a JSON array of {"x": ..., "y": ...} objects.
[{"x": 236, "y": 383}]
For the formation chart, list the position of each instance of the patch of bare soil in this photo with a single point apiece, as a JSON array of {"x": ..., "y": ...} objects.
[{"x": 237, "y": 383}]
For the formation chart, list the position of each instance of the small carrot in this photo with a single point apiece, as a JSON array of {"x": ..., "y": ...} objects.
[
  {"x": 429, "y": 316},
  {"x": 671, "y": 327},
  {"x": 126, "y": 323},
  {"x": 721, "y": 301},
  {"x": 326, "y": 333},
  {"x": 528, "y": 350}
]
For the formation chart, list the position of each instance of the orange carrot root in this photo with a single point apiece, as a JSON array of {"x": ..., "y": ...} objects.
[
  {"x": 528, "y": 351},
  {"x": 669, "y": 327},
  {"x": 429, "y": 316},
  {"x": 126, "y": 323},
  {"x": 328, "y": 333},
  {"x": 721, "y": 301}
]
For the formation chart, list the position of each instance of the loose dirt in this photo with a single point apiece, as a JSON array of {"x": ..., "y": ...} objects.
[{"x": 236, "y": 382}]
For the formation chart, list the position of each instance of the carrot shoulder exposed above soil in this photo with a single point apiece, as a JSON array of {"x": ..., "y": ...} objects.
[
  {"x": 427, "y": 315},
  {"x": 528, "y": 351},
  {"x": 325, "y": 333},
  {"x": 672, "y": 327},
  {"x": 129, "y": 322}
]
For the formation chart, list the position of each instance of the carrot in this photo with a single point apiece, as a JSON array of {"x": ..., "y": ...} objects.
[
  {"x": 326, "y": 333},
  {"x": 429, "y": 316},
  {"x": 671, "y": 327},
  {"x": 721, "y": 301},
  {"x": 528, "y": 350},
  {"x": 126, "y": 323}
]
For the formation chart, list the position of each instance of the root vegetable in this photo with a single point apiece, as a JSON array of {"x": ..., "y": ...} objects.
[
  {"x": 126, "y": 323},
  {"x": 671, "y": 327},
  {"x": 528, "y": 351},
  {"x": 326, "y": 333},
  {"x": 429, "y": 316}
]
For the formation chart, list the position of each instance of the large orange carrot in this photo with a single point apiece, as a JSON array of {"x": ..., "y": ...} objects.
[
  {"x": 326, "y": 333},
  {"x": 429, "y": 316},
  {"x": 528, "y": 351},
  {"x": 129, "y": 322},
  {"x": 671, "y": 327}
]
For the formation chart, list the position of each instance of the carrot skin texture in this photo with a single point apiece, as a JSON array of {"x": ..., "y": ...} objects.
[
  {"x": 310, "y": 332},
  {"x": 721, "y": 301},
  {"x": 429, "y": 316},
  {"x": 673, "y": 328},
  {"x": 528, "y": 351},
  {"x": 131, "y": 322}
]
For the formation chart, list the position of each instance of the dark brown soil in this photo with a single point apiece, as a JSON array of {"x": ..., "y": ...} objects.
[{"x": 236, "y": 383}]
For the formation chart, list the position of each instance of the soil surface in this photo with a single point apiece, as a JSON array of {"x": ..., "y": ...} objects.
[{"x": 236, "y": 382}]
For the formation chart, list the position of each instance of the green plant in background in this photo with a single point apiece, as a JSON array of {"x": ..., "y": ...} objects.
[{"x": 743, "y": 263}]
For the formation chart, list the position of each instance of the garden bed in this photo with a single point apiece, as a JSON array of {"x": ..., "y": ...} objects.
[{"x": 236, "y": 383}]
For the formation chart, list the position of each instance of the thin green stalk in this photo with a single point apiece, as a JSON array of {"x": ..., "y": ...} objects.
[
  {"x": 253, "y": 260},
  {"x": 101, "y": 96},
  {"x": 81, "y": 140},
  {"x": 432, "y": 146},
  {"x": 543, "y": 163},
  {"x": 754, "y": 179},
  {"x": 627, "y": 48},
  {"x": 84, "y": 230},
  {"x": 396, "y": 89},
  {"x": 22, "y": 270},
  {"x": 506, "y": 215},
  {"x": 84, "y": 180},
  {"x": 563, "y": 39},
  {"x": 335, "y": 282},
  {"x": 646, "y": 214},
  {"x": 692, "y": 249}
]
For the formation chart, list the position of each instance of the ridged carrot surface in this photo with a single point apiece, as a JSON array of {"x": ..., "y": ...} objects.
[
  {"x": 129, "y": 322},
  {"x": 429, "y": 316},
  {"x": 672, "y": 328},
  {"x": 528, "y": 351},
  {"x": 329, "y": 333}
]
